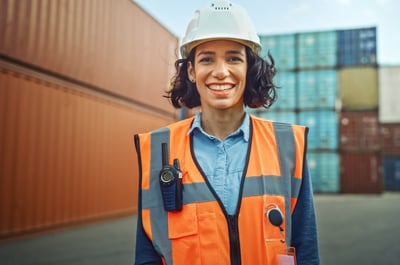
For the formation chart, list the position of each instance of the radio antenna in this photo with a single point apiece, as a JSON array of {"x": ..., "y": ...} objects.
[{"x": 164, "y": 154}]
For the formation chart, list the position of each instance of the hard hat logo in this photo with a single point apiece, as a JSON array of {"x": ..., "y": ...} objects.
[{"x": 220, "y": 19}]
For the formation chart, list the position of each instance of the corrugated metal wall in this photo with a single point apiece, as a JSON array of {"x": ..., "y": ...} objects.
[
  {"x": 113, "y": 45},
  {"x": 361, "y": 172},
  {"x": 360, "y": 130},
  {"x": 359, "y": 88},
  {"x": 389, "y": 94},
  {"x": 78, "y": 78},
  {"x": 66, "y": 155}
]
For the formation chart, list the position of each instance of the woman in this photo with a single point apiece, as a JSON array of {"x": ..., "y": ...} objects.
[{"x": 224, "y": 187}]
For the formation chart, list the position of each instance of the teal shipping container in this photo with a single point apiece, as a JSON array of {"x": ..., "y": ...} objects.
[
  {"x": 391, "y": 172},
  {"x": 279, "y": 116},
  {"x": 357, "y": 47},
  {"x": 286, "y": 82},
  {"x": 317, "y": 49},
  {"x": 282, "y": 48},
  {"x": 324, "y": 171},
  {"x": 323, "y": 129},
  {"x": 317, "y": 89}
]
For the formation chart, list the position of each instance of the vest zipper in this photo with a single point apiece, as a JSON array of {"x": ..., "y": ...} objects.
[{"x": 234, "y": 239}]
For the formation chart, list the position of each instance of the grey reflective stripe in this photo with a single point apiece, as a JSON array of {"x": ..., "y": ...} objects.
[
  {"x": 159, "y": 229},
  {"x": 287, "y": 159}
]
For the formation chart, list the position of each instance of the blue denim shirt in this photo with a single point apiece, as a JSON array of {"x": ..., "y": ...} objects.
[{"x": 222, "y": 161}]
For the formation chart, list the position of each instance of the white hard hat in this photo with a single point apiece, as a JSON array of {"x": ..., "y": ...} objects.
[{"x": 220, "y": 19}]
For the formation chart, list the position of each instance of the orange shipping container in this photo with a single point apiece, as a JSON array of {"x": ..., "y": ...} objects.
[
  {"x": 112, "y": 45},
  {"x": 66, "y": 153}
]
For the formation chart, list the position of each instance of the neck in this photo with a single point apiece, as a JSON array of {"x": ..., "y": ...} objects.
[{"x": 221, "y": 123}]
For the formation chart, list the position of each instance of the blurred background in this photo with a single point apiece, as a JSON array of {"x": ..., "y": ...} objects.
[{"x": 79, "y": 78}]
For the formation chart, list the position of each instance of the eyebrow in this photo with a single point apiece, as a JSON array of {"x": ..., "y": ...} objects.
[{"x": 227, "y": 52}]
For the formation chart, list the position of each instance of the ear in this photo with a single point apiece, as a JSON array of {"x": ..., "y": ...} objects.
[{"x": 190, "y": 71}]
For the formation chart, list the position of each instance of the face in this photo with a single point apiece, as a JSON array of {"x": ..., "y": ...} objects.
[{"x": 219, "y": 71}]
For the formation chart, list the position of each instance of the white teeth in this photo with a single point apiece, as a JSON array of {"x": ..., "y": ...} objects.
[{"x": 220, "y": 87}]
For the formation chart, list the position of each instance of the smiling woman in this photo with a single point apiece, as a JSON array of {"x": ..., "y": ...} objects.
[
  {"x": 229, "y": 170},
  {"x": 219, "y": 71}
]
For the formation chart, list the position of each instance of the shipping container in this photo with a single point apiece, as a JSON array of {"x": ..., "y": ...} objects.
[
  {"x": 114, "y": 46},
  {"x": 391, "y": 172},
  {"x": 282, "y": 48},
  {"x": 307, "y": 90},
  {"x": 390, "y": 138},
  {"x": 357, "y": 47},
  {"x": 361, "y": 172},
  {"x": 316, "y": 49},
  {"x": 360, "y": 130},
  {"x": 317, "y": 89},
  {"x": 278, "y": 116},
  {"x": 324, "y": 170},
  {"x": 66, "y": 152},
  {"x": 323, "y": 129},
  {"x": 389, "y": 94},
  {"x": 286, "y": 82},
  {"x": 358, "y": 88}
]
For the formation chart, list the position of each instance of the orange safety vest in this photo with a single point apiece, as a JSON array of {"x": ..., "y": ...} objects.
[{"x": 202, "y": 232}]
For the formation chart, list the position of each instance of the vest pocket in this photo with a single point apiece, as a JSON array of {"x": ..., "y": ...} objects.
[
  {"x": 183, "y": 223},
  {"x": 193, "y": 235}
]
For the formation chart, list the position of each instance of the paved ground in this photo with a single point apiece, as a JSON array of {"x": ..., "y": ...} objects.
[{"x": 353, "y": 230}]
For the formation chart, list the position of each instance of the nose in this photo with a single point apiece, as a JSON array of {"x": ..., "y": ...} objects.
[{"x": 221, "y": 70}]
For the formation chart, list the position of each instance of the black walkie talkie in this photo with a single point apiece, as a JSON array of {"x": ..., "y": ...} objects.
[{"x": 170, "y": 182}]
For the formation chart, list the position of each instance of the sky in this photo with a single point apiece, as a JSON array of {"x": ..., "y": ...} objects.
[{"x": 296, "y": 16}]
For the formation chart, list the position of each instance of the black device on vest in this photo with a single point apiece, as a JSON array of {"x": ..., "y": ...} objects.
[{"x": 170, "y": 182}]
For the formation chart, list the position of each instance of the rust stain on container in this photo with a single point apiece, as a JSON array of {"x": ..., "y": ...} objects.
[
  {"x": 113, "y": 45},
  {"x": 361, "y": 172},
  {"x": 66, "y": 156}
]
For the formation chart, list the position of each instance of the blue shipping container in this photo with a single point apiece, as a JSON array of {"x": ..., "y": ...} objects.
[
  {"x": 317, "y": 49},
  {"x": 357, "y": 47},
  {"x": 307, "y": 90},
  {"x": 279, "y": 116},
  {"x": 286, "y": 81},
  {"x": 324, "y": 171},
  {"x": 282, "y": 48},
  {"x": 317, "y": 89},
  {"x": 391, "y": 172},
  {"x": 327, "y": 89},
  {"x": 323, "y": 129}
]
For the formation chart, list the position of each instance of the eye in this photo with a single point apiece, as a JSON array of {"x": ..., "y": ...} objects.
[
  {"x": 234, "y": 59},
  {"x": 205, "y": 60}
]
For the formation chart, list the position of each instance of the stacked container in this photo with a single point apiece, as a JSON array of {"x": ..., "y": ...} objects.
[
  {"x": 316, "y": 103},
  {"x": 324, "y": 77},
  {"x": 77, "y": 80},
  {"x": 389, "y": 117},
  {"x": 307, "y": 95},
  {"x": 358, "y": 85}
]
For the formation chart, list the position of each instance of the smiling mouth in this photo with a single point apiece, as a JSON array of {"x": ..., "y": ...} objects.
[{"x": 220, "y": 87}]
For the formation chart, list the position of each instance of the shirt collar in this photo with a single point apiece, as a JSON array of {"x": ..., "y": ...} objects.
[{"x": 244, "y": 128}]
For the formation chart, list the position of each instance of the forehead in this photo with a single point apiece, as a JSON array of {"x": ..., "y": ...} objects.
[{"x": 220, "y": 45}]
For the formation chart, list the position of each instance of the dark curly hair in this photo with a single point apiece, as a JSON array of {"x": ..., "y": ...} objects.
[{"x": 260, "y": 89}]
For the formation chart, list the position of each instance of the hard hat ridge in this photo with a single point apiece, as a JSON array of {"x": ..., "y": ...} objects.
[{"x": 220, "y": 19}]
